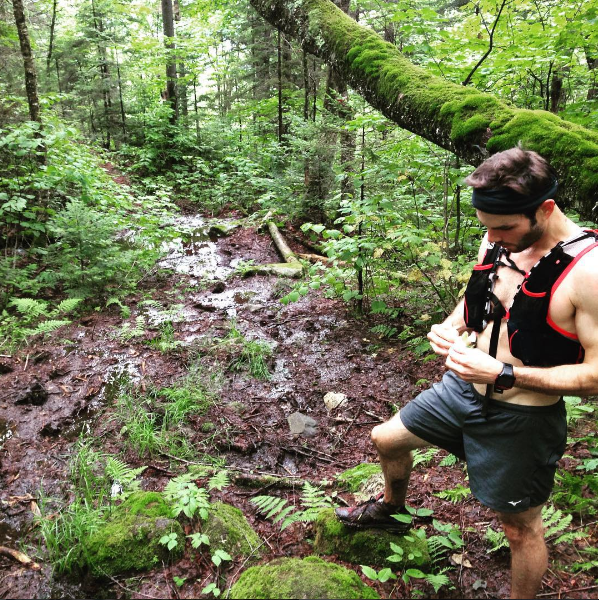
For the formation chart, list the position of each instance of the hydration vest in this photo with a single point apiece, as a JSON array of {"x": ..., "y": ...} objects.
[{"x": 533, "y": 336}]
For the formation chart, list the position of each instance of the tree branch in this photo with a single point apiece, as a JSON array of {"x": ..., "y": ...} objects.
[{"x": 491, "y": 34}]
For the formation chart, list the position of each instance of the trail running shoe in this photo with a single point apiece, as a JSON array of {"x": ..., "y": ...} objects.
[{"x": 373, "y": 514}]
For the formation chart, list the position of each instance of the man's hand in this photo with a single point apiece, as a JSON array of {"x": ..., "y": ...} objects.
[
  {"x": 472, "y": 365},
  {"x": 442, "y": 338}
]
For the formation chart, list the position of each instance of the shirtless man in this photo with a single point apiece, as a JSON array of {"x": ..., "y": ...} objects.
[{"x": 499, "y": 405}]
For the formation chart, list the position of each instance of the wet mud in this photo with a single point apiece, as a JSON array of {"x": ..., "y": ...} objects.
[{"x": 64, "y": 386}]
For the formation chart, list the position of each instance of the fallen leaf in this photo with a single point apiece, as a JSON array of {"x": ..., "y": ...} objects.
[
  {"x": 460, "y": 559},
  {"x": 35, "y": 509}
]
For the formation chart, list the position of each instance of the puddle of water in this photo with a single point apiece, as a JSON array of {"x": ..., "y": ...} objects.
[
  {"x": 6, "y": 432},
  {"x": 118, "y": 378},
  {"x": 194, "y": 252}
]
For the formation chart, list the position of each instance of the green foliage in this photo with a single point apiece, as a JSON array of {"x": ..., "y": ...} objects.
[
  {"x": 97, "y": 479},
  {"x": 33, "y": 318},
  {"x": 459, "y": 492},
  {"x": 313, "y": 500},
  {"x": 185, "y": 497},
  {"x": 423, "y": 457},
  {"x": 170, "y": 540},
  {"x": 241, "y": 353}
]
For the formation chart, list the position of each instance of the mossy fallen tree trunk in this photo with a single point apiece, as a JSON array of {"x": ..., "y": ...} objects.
[{"x": 465, "y": 121}]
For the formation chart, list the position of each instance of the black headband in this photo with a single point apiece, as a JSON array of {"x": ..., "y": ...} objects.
[{"x": 505, "y": 201}]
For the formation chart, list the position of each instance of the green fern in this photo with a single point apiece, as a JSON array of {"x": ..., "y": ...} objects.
[
  {"x": 449, "y": 460},
  {"x": 313, "y": 500},
  {"x": 45, "y": 327},
  {"x": 125, "y": 310},
  {"x": 496, "y": 540},
  {"x": 219, "y": 481},
  {"x": 122, "y": 474},
  {"x": 384, "y": 331},
  {"x": 126, "y": 332},
  {"x": 437, "y": 580},
  {"x": 67, "y": 306},
  {"x": 454, "y": 495},
  {"x": 423, "y": 457},
  {"x": 30, "y": 308}
]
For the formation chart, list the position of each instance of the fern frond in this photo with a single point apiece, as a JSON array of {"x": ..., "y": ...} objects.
[
  {"x": 46, "y": 327},
  {"x": 29, "y": 307},
  {"x": 449, "y": 461},
  {"x": 151, "y": 304},
  {"x": 68, "y": 305},
  {"x": 437, "y": 581},
  {"x": 269, "y": 505},
  {"x": 219, "y": 481},
  {"x": 119, "y": 471}
]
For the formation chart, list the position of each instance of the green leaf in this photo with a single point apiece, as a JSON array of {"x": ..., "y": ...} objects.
[{"x": 369, "y": 572}]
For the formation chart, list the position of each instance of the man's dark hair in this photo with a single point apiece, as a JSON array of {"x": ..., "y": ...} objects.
[{"x": 522, "y": 171}]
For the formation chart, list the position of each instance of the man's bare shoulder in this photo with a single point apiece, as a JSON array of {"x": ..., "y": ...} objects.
[{"x": 584, "y": 280}]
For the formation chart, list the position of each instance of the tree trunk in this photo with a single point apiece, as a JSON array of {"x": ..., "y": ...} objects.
[
  {"x": 182, "y": 81},
  {"x": 28, "y": 62},
  {"x": 168, "y": 28},
  {"x": 465, "y": 121},
  {"x": 104, "y": 74},
  {"x": 51, "y": 42}
]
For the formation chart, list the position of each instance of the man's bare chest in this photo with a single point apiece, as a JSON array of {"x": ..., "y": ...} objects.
[{"x": 508, "y": 283}]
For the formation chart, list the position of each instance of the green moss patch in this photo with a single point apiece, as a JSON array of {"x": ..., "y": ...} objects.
[
  {"x": 311, "y": 577},
  {"x": 230, "y": 531},
  {"x": 353, "y": 478},
  {"x": 366, "y": 546},
  {"x": 130, "y": 540}
]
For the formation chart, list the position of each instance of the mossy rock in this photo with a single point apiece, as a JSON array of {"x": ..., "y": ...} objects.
[
  {"x": 130, "y": 540},
  {"x": 354, "y": 478},
  {"x": 311, "y": 577},
  {"x": 229, "y": 530},
  {"x": 366, "y": 546}
]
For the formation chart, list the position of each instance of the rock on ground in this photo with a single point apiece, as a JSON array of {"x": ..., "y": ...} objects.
[{"x": 311, "y": 577}]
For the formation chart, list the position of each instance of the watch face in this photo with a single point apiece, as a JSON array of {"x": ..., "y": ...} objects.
[{"x": 505, "y": 380}]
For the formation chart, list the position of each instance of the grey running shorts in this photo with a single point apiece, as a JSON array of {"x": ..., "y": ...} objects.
[{"x": 511, "y": 454}]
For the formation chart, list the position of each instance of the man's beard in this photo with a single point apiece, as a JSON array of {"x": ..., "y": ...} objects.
[{"x": 528, "y": 239}]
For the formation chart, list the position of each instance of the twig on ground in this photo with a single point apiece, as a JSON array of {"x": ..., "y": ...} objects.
[{"x": 19, "y": 557}]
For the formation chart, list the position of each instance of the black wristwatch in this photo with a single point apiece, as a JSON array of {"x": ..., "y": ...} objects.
[{"x": 506, "y": 379}]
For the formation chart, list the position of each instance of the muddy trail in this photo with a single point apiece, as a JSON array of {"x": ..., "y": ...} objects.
[{"x": 65, "y": 387}]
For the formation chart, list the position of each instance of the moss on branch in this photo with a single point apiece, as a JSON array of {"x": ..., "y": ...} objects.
[{"x": 463, "y": 120}]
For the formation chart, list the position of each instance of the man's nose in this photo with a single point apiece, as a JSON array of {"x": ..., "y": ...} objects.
[{"x": 493, "y": 237}]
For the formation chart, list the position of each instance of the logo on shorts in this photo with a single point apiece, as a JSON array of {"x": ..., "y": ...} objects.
[{"x": 514, "y": 502}]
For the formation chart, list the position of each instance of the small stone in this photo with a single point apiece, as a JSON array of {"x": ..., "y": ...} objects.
[
  {"x": 219, "y": 288},
  {"x": 333, "y": 400},
  {"x": 300, "y": 424}
]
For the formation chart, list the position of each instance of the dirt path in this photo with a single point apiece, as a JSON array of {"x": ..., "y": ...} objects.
[{"x": 55, "y": 390}]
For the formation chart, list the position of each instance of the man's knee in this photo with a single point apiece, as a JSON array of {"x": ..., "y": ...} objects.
[
  {"x": 392, "y": 438},
  {"x": 520, "y": 528}
]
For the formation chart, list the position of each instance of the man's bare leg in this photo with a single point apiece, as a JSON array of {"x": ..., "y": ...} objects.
[
  {"x": 394, "y": 444},
  {"x": 524, "y": 532}
]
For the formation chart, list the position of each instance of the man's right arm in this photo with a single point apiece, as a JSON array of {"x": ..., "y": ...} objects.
[{"x": 443, "y": 335}]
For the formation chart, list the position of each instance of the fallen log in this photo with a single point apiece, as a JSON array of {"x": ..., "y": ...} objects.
[{"x": 284, "y": 250}]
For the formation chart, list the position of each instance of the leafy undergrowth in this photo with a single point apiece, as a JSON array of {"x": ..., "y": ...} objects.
[{"x": 194, "y": 404}]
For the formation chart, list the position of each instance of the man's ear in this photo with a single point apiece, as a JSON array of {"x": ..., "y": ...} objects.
[{"x": 547, "y": 208}]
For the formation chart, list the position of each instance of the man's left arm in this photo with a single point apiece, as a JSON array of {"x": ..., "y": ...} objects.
[{"x": 580, "y": 379}]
